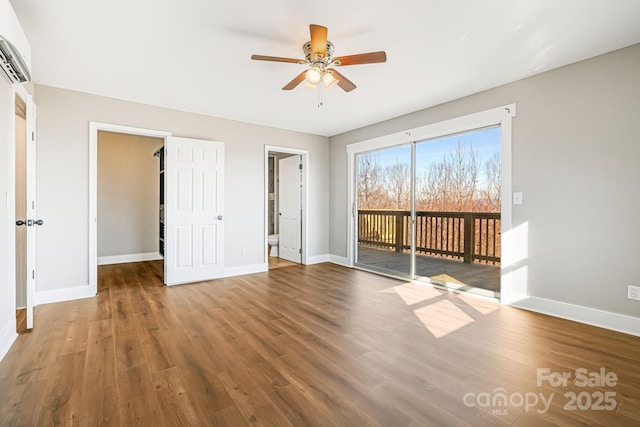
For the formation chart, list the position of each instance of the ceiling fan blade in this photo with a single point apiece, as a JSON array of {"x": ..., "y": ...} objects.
[
  {"x": 344, "y": 83},
  {"x": 318, "y": 39},
  {"x": 276, "y": 59},
  {"x": 295, "y": 82},
  {"x": 362, "y": 58}
]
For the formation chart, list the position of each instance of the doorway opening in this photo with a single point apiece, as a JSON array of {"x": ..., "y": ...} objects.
[
  {"x": 21, "y": 213},
  {"x": 193, "y": 213},
  {"x": 96, "y": 129},
  {"x": 285, "y": 206},
  {"x": 129, "y": 187}
]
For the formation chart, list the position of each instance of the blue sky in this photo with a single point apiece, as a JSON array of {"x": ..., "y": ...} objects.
[{"x": 486, "y": 143}]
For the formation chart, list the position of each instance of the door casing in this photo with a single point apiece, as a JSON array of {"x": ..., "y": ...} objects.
[
  {"x": 94, "y": 127},
  {"x": 305, "y": 197}
]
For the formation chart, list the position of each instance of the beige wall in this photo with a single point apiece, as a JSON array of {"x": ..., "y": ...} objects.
[
  {"x": 63, "y": 179},
  {"x": 575, "y": 158},
  {"x": 128, "y": 194}
]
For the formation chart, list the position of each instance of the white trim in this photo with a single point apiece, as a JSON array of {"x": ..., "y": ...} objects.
[
  {"x": 351, "y": 208},
  {"x": 7, "y": 338},
  {"x": 94, "y": 127},
  {"x": 340, "y": 260},
  {"x": 245, "y": 269},
  {"x": 577, "y": 313},
  {"x": 66, "y": 294},
  {"x": 121, "y": 259},
  {"x": 8, "y": 169},
  {"x": 318, "y": 259},
  {"x": 305, "y": 197},
  {"x": 455, "y": 125},
  {"x": 501, "y": 116}
]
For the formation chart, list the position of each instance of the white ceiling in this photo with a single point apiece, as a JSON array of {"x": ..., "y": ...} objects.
[{"x": 194, "y": 55}]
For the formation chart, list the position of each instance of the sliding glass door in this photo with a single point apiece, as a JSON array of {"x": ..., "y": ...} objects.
[
  {"x": 384, "y": 195},
  {"x": 430, "y": 210}
]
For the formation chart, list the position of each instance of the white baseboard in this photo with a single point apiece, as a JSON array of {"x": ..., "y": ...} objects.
[
  {"x": 317, "y": 259},
  {"x": 7, "y": 338},
  {"x": 120, "y": 259},
  {"x": 590, "y": 316},
  {"x": 66, "y": 294},
  {"x": 245, "y": 269},
  {"x": 340, "y": 260}
]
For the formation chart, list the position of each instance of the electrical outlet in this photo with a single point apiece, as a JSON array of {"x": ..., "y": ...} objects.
[
  {"x": 244, "y": 251},
  {"x": 634, "y": 292}
]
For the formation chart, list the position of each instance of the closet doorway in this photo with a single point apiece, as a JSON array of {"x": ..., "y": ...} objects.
[
  {"x": 194, "y": 206},
  {"x": 285, "y": 206},
  {"x": 128, "y": 198}
]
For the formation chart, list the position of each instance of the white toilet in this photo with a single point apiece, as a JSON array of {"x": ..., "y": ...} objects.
[{"x": 273, "y": 244}]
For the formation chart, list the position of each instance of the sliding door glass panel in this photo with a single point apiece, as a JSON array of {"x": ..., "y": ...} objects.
[
  {"x": 457, "y": 205},
  {"x": 383, "y": 225}
]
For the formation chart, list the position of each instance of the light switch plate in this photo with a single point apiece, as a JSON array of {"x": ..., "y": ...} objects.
[{"x": 517, "y": 198}]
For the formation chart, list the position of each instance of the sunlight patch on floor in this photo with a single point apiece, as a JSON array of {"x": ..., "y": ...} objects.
[
  {"x": 412, "y": 293},
  {"x": 481, "y": 306},
  {"x": 448, "y": 279},
  {"x": 442, "y": 318}
]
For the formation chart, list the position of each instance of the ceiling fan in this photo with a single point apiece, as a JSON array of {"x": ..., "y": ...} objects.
[{"x": 318, "y": 54}]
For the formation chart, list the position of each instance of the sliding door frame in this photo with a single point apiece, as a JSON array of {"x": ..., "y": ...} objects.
[{"x": 499, "y": 116}]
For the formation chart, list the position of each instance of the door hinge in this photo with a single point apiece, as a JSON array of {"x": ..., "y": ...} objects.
[
  {"x": 33, "y": 274},
  {"x": 300, "y": 251},
  {"x": 300, "y": 166},
  {"x": 33, "y": 136}
]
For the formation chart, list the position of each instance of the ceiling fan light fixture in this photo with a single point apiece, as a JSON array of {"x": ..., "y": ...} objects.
[
  {"x": 318, "y": 53},
  {"x": 329, "y": 80},
  {"x": 313, "y": 76},
  {"x": 310, "y": 86}
]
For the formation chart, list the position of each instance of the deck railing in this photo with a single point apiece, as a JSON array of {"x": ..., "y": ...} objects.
[{"x": 472, "y": 237}]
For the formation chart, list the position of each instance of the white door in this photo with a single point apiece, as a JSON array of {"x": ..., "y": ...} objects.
[
  {"x": 194, "y": 209},
  {"x": 31, "y": 210},
  {"x": 289, "y": 201},
  {"x": 25, "y": 193}
]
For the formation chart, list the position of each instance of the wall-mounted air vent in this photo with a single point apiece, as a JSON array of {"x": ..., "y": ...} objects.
[{"x": 12, "y": 64}]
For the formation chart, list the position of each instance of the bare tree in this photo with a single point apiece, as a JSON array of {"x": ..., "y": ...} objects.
[
  {"x": 458, "y": 183},
  {"x": 369, "y": 182},
  {"x": 464, "y": 176},
  {"x": 398, "y": 185},
  {"x": 492, "y": 182}
]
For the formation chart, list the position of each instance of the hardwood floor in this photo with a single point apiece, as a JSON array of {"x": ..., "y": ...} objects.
[
  {"x": 275, "y": 262},
  {"x": 306, "y": 346},
  {"x": 21, "y": 321}
]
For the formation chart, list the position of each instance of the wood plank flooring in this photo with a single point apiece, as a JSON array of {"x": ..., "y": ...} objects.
[
  {"x": 21, "y": 321},
  {"x": 275, "y": 262},
  {"x": 314, "y": 345}
]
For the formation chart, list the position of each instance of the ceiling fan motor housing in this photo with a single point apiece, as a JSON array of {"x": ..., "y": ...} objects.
[{"x": 314, "y": 59}]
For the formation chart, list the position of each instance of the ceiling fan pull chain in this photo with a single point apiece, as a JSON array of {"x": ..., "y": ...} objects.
[{"x": 320, "y": 90}]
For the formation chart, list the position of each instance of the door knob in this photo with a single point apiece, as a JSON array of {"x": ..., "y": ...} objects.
[
  {"x": 20, "y": 222},
  {"x": 38, "y": 222},
  {"x": 220, "y": 217}
]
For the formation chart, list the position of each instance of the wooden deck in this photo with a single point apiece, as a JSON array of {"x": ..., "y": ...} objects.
[{"x": 452, "y": 272}]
